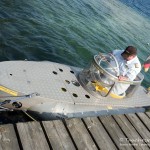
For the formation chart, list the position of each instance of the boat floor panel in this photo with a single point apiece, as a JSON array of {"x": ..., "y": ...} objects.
[{"x": 58, "y": 82}]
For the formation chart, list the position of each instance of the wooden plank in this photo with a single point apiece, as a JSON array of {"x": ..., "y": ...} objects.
[
  {"x": 140, "y": 127},
  {"x": 115, "y": 132},
  {"x": 80, "y": 135},
  {"x": 131, "y": 133},
  {"x": 32, "y": 136},
  {"x": 148, "y": 114},
  {"x": 99, "y": 133},
  {"x": 8, "y": 139},
  {"x": 145, "y": 119},
  {"x": 58, "y": 135}
]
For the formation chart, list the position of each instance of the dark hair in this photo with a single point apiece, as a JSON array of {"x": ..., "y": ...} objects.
[{"x": 130, "y": 50}]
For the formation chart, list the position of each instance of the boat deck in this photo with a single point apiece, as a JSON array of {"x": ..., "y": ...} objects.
[
  {"x": 55, "y": 83},
  {"x": 130, "y": 131}
]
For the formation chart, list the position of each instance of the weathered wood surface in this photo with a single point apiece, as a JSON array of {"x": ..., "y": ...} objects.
[
  {"x": 139, "y": 127},
  {"x": 148, "y": 114},
  {"x": 58, "y": 135},
  {"x": 145, "y": 119},
  {"x": 32, "y": 136},
  {"x": 8, "y": 139},
  {"x": 99, "y": 134},
  {"x": 115, "y": 132},
  {"x": 132, "y": 135},
  {"x": 129, "y": 132},
  {"x": 80, "y": 134}
]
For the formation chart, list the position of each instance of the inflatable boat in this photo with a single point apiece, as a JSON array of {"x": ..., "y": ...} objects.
[{"x": 47, "y": 90}]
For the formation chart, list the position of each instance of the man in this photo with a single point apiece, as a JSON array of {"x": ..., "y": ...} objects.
[{"x": 129, "y": 66}]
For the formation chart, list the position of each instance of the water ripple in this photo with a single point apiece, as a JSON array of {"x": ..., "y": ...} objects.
[{"x": 70, "y": 32}]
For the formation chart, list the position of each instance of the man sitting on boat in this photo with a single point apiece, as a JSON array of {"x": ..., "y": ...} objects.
[{"x": 129, "y": 66}]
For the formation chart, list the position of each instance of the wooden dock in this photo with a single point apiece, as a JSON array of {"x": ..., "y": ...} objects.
[{"x": 130, "y": 131}]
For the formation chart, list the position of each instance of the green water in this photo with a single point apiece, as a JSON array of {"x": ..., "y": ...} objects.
[{"x": 70, "y": 31}]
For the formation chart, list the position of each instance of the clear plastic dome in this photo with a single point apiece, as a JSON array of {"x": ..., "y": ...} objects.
[
  {"x": 102, "y": 73},
  {"x": 108, "y": 63}
]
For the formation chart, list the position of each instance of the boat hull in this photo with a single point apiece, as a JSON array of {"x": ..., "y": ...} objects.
[{"x": 50, "y": 90}]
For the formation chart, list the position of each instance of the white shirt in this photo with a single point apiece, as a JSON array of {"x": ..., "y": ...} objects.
[{"x": 129, "y": 69}]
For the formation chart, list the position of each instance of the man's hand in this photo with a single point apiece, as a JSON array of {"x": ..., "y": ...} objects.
[{"x": 122, "y": 78}]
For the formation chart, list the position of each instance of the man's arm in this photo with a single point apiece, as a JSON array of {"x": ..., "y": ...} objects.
[{"x": 123, "y": 78}]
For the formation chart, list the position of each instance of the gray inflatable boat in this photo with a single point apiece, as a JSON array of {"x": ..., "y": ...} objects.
[{"x": 47, "y": 90}]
